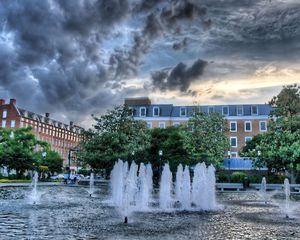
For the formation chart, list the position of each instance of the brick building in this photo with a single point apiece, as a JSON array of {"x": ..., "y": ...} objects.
[
  {"x": 244, "y": 120},
  {"x": 60, "y": 136}
]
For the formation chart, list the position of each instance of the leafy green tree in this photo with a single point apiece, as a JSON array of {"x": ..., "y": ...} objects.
[
  {"x": 116, "y": 135},
  {"x": 52, "y": 161},
  {"x": 206, "y": 138},
  {"x": 287, "y": 102},
  {"x": 280, "y": 147},
  {"x": 17, "y": 149},
  {"x": 171, "y": 142}
]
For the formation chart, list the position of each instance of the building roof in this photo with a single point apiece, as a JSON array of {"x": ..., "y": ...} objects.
[
  {"x": 169, "y": 110},
  {"x": 47, "y": 120}
]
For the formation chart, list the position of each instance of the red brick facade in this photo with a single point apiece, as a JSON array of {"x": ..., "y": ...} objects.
[{"x": 60, "y": 136}]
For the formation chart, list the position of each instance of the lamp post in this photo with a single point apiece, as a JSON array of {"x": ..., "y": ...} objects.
[{"x": 160, "y": 153}]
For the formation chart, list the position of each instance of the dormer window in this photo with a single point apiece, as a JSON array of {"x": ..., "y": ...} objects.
[
  {"x": 156, "y": 111},
  {"x": 239, "y": 110},
  {"x": 4, "y": 114},
  {"x": 143, "y": 112},
  {"x": 183, "y": 111},
  {"x": 225, "y": 110},
  {"x": 254, "y": 110},
  {"x": 210, "y": 109}
]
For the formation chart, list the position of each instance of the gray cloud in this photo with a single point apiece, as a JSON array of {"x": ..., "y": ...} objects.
[
  {"x": 178, "y": 78},
  {"x": 76, "y": 57}
]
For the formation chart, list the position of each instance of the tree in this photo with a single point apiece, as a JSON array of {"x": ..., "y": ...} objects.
[
  {"x": 280, "y": 146},
  {"x": 116, "y": 135},
  {"x": 17, "y": 149},
  {"x": 206, "y": 138},
  {"x": 287, "y": 102},
  {"x": 171, "y": 142},
  {"x": 52, "y": 161}
]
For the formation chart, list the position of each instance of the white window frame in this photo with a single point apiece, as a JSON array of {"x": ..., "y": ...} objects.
[
  {"x": 227, "y": 110},
  {"x": 235, "y": 137},
  {"x": 260, "y": 126},
  {"x": 149, "y": 125},
  {"x": 13, "y": 123},
  {"x": 163, "y": 123},
  {"x": 3, "y": 124},
  {"x": 176, "y": 124},
  {"x": 235, "y": 126},
  {"x": 237, "y": 112},
  {"x": 252, "y": 110},
  {"x": 185, "y": 112},
  {"x": 248, "y": 138},
  {"x": 250, "y": 126},
  {"x": 235, "y": 153},
  {"x": 154, "y": 108},
  {"x": 4, "y": 113},
  {"x": 143, "y": 108}
]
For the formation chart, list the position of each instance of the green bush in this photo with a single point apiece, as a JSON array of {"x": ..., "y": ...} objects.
[
  {"x": 12, "y": 176},
  {"x": 238, "y": 177},
  {"x": 255, "y": 178},
  {"x": 222, "y": 177},
  {"x": 276, "y": 179}
]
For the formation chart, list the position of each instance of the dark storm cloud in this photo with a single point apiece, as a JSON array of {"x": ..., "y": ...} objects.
[
  {"x": 180, "y": 77},
  {"x": 54, "y": 51},
  {"x": 166, "y": 19}
]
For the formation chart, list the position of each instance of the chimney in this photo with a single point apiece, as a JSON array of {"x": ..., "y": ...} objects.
[
  {"x": 2, "y": 102},
  {"x": 47, "y": 115},
  {"x": 12, "y": 101},
  {"x": 71, "y": 123}
]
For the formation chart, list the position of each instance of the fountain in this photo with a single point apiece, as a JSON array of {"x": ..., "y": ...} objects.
[
  {"x": 132, "y": 189},
  {"x": 92, "y": 187},
  {"x": 263, "y": 190},
  {"x": 34, "y": 195},
  {"x": 186, "y": 189},
  {"x": 287, "y": 193},
  {"x": 165, "y": 190}
]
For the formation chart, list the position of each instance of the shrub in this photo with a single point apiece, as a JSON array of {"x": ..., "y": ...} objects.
[
  {"x": 276, "y": 179},
  {"x": 238, "y": 177},
  {"x": 222, "y": 177},
  {"x": 255, "y": 178},
  {"x": 12, "y": 176}
]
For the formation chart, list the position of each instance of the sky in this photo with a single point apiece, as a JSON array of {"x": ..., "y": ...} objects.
[{"x": 74, "y": 58}]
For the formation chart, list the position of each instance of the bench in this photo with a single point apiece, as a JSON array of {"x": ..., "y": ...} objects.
[
  {"x": 229, "y": 186},
  {"x": 295, "y": 188}
]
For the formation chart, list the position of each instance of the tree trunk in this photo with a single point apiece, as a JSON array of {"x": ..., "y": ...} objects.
[{"x": 293, "y": 176}]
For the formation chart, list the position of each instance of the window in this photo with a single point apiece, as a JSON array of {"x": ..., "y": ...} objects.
[
  {"x": 239, "y": 110},
  {"x": 143, "y": 112},
  {"x": 233, "y": 142},
  {"x": 156, "y": 111},
  {"x": 233, "y": 126},
  {"x": 254, "y": 110},
  {"x": 248, "y": 126},
  {"x": 183, "y": 111},
  {"x": 12, "y": 123},
  {"x": 22, "y": 124},
  {"x": 263, "y": 126},
  {"x": 210, "y": 110},
  {"x": 233, "y": 154},
  {"x": 4, "y": 114},
  {"x": 225, "y": 110},
  {"x": 162, "y": 125},
  {"x": 149, "y": 124},
  {"x": 176, "y": 124},
  {"x": 3, "y": 123},
  {"x": 247, "y": 139}
]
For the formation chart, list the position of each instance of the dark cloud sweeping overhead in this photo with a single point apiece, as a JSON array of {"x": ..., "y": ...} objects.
[{"x": 178, "y": 78}]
